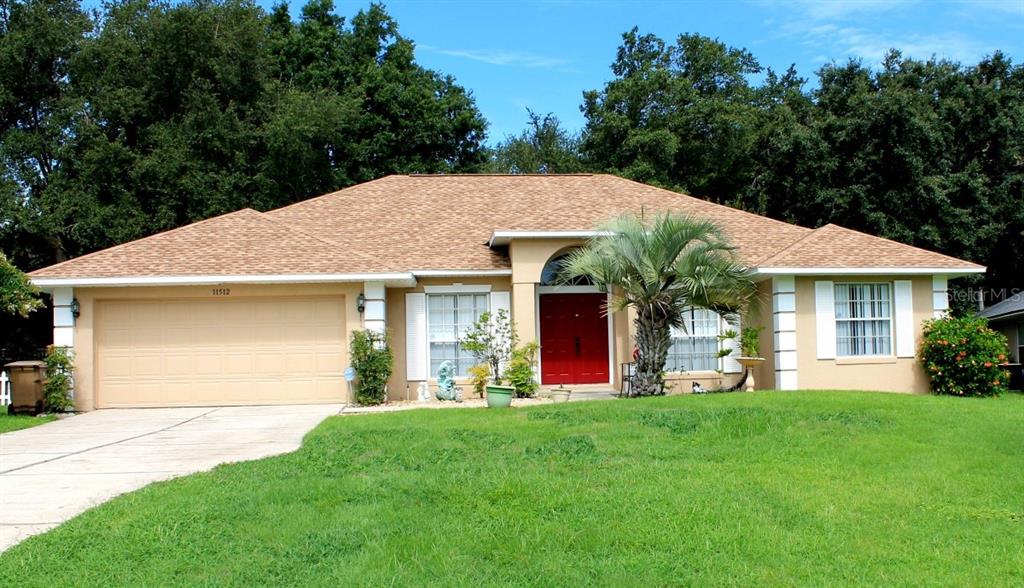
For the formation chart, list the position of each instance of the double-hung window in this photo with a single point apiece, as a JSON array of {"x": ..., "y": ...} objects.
[
  {"x": 695, "y": 348},
  {"x": 449, "y": 317},
  {"x": 863, "y": 319}
]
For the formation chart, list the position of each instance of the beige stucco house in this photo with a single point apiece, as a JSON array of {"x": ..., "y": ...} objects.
[{"x": 257, "y": 308}]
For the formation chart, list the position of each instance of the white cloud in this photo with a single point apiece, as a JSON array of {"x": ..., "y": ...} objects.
[
  {"x": 867, "y": 29},
  {"x": 508, "y": 58}
]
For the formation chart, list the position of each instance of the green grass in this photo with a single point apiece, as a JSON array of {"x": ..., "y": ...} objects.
[
  {"x": 750, "y": 489},
  {"x": 10, "y": 423}
]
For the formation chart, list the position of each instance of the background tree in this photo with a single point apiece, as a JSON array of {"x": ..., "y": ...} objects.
[
  {"x": 544, "y": 147},
  {"x": 926, "y": 152},
  {"x": 17, "y": 295},
  {"x": 659, "y": 269}
]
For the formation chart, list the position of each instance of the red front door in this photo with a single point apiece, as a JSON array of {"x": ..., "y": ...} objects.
[{"x": 573, "y": 339}]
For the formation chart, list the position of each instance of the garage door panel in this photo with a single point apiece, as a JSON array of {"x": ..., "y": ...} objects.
[{"x": 209, "y": 352}]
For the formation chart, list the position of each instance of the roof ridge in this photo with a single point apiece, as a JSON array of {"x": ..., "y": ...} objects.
[
  {"x": 267, "y": 218},
  {"x": 813, "y": 232},
  {"x": 715, "y": 204},
  {"x": 329, "y": 194},
  {"x": 120, "y": 246}
]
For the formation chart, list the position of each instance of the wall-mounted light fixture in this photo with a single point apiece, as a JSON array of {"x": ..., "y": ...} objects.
[
  {"x": 361, "y": 303},
  {"x": 76, "y": 308}
]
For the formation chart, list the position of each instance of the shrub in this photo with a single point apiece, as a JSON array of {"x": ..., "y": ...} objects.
[
  {"x": 519, "y": 372},
  {"x": 372, "y": 360},
  {"x": 479, "y": 374},
  {"x": 962, "y": 355},
  {"x": 57, "y": 386}
]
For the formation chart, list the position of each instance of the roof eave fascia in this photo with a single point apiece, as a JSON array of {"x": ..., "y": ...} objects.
[
  {"x": 869, "y": 271},
  {"x": 395, "y": 279},
  {"x": 1002, "y": 317},
  {"x": 454, "y": 273},
  {"x": 500, "y": 238}
]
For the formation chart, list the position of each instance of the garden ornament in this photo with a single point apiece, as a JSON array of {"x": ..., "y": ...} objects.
[{"x": 446, "y": 381}]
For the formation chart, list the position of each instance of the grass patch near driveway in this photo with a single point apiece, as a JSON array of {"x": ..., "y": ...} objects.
[
  {"x": 10, "y": 423},
  {"x": 766, "y": 488}
]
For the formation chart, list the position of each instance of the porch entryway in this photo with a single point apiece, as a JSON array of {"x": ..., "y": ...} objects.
[{"x": 573, "y": 338}]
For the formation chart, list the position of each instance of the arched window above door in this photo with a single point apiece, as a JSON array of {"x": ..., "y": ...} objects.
[{"x": 549, "y": 275}]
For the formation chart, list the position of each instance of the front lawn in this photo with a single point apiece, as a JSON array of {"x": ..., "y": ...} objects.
[
  {"x": 10, "y": 423},
  {"x": 752, "y": 489}
]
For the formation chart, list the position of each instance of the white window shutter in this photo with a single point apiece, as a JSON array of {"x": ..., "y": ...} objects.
[
  {"x": 903, "y": 295},
  {"x": 501, "y": 301},
  {"x": 729, "y": 363},
  {"x": 825, "y": 318},
  {"x": 416, "y": 337}
]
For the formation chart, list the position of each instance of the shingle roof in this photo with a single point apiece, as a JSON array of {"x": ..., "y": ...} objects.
[
  {"x": 832, "y": 246},
  {"x": 1011, "y": 306},
  {"x": 430, "y": 222},
  {"x": 242, "y": 243}
]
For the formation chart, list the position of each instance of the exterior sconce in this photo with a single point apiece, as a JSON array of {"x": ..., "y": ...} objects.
[
  {"x": 360, "y": 303},
  {"x": 76, "y": 308}
]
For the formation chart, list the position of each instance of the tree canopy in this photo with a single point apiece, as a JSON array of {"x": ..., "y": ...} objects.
[
  {"x": 154, "y": 114},
  {"x": 926, "y": 152}
]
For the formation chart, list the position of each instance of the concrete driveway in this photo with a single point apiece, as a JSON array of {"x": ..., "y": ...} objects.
[{"x": 53, "y": 472}]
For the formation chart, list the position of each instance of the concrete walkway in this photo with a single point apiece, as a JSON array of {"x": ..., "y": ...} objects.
[{"x": 53, "y": 472}]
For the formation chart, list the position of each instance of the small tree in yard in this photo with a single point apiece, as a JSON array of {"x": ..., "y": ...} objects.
[
  {"x": 491, "y": 340},
  {"x": 17, "y": 295},
  {"x": 373, "y": 362},
  {"x": 660, "y": 269},
  {"x": 961, "y": 357}
]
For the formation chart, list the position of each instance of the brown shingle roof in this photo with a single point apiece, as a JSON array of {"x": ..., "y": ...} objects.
[
  {"x": 832, "y": 246},
  {"x": 408, "y": 223},
  {"x": 242, "y": 243}
]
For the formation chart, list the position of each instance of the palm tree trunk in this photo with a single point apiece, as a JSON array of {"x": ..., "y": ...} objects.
[{"x": 653, "y": 337}]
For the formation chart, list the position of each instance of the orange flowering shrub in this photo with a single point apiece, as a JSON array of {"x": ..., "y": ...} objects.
[{"x": 962, "y": 355}]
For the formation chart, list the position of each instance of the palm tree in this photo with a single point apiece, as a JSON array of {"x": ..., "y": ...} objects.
[{"x": 660, "y": 269}]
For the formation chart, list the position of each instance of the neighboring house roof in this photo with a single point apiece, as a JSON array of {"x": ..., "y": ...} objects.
[
  {"x": 1012, "y": 306},
  {"x": 405, "y": 223}
]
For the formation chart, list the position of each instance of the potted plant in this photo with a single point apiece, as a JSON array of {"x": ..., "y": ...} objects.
[
  {"x": 750, "y": 347},
  {"x": 560, "y": 394},
  {"x": 491, "y": 340}
]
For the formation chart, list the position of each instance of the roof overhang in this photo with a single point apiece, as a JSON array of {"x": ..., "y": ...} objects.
[
  {"x": 499, "y": 238},
  {"x": 391, "y": 280},
  {"x": 397, "y": 279},
  {"x": 868, "y": 271},
  {"x": 1006, "y": 316}
]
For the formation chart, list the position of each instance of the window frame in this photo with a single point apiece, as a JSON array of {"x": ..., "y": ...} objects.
[
  {"x": 680, "y": 334},
  {"x": 891, "y": 318},
  {"x": 453, "y": 294}
]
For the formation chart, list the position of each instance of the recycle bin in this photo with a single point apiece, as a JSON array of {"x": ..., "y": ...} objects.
[{"x": 26, "y": 386}]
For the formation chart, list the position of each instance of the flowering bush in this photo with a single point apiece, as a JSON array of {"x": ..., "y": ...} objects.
[{"x": 962, "y": 356}]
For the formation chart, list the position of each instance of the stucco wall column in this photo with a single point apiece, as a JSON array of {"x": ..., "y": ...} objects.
[{"x": 524, "y": 310}]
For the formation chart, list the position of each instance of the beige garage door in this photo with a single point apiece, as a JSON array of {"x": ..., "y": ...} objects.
[{"x": 220, "y": 351}]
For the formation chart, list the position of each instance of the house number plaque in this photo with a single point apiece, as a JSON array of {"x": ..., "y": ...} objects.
[{"x": 222, "y": 291}]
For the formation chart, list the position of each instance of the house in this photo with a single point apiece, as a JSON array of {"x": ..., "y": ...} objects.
[
  {"x": 257, "y": 308},
  {"x": 1007, "y": 317}
]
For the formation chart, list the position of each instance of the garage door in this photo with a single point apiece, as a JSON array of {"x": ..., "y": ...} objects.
[{"x": 220, "y": 351}]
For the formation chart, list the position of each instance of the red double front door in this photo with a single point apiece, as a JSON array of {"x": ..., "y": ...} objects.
[{"x": 573, "y": 339}]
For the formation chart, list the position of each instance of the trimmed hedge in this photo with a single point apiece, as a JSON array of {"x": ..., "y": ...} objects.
[{"x": 962, "y": 355}]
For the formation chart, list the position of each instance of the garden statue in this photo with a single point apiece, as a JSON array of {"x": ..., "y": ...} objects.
[
  {"x": 446, "y": 381},
  {"x": 423, "y": 392}
]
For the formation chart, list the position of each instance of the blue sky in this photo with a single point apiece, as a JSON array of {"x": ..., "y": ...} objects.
[{"x": 543, "y": 55}]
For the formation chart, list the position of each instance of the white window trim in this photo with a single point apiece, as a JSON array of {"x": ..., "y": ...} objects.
[
  {"x": 891, "y": 319},
  {"x": 453, "y": 290},
  {"x": 458, "y": 289},
  {"x": 719, "y": 346}
]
